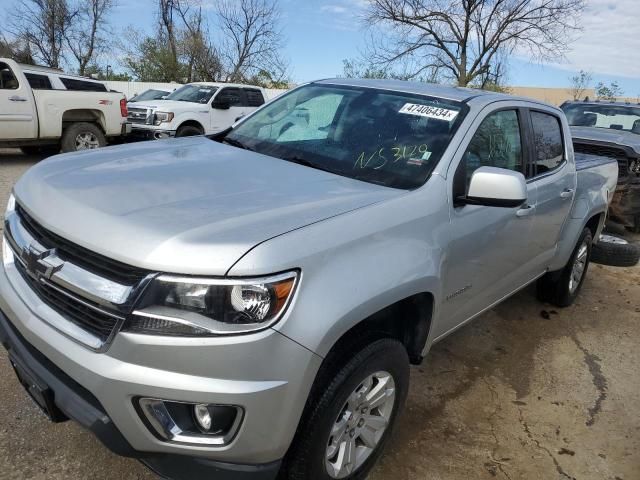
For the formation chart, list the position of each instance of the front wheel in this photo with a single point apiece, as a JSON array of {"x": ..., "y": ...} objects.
[
  {"x": 344, "y": 430},
  {"x": 562, "y": 287}
]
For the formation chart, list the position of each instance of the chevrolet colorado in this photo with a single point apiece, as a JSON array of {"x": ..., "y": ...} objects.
[{"x": 249, "y": 307}]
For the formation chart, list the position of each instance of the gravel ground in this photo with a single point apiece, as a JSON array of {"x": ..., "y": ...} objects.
[{"x": 523, "y": 392}]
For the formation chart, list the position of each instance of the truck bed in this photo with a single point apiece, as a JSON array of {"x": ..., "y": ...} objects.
[{"x": 588, "y": 160}]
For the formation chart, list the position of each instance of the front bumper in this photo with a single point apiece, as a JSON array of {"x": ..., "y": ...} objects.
[
  {"x": 80, "y": 405},
  {"x": 148, "y": 132},
  {"x": 266, "y": 373}
]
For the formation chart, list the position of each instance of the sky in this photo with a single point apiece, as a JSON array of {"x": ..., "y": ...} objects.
[{"x": 321, "y": 33}]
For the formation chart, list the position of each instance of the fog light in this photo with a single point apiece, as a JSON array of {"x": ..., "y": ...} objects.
[
  {"x": 203, "y": 417},
  {"x": 193, "y": 423}
]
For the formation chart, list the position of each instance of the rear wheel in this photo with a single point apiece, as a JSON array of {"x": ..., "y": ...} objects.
[
  {"x": 562, "y": 287},
  {"x": 82, "y": 136},
  {"x": 344, "y": 430}
]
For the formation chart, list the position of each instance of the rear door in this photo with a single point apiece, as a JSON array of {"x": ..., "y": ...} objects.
[
  {"x": 224, "y": 118},
  {"x": 554, "y": 176},
  {"x": 18, "y": 119}
]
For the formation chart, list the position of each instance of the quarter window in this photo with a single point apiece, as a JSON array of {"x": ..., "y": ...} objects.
[
  {"x": 77, "y": 85},
  {"x": 8, "y": 80},
  {"x": 496, "y": 143},
  {"x": 547, "y": 139}
]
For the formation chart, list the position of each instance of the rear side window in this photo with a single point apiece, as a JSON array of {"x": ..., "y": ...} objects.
[
  {"x": 496, "y": 143},
  {"x": 8, "y": 80},
  {"x": 82, "y": 85},
  {"x": 231, "y": 95},
  {"x": 254, "y": 97},
  {"x": 38, "y": 82},
  {"x": 548, "y": 144}
]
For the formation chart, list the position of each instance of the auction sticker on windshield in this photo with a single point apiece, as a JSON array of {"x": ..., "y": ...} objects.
[{"x": 429, "y": 111}]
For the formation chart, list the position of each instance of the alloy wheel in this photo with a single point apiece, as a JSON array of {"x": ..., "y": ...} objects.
[{"x": 360, "y": 425}]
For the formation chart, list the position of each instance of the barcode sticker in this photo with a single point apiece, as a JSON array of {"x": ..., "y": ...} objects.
[{"x": 429, "y": 111}]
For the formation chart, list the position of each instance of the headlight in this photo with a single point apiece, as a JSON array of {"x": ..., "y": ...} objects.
[
  {"x": 11, "y": 206},
  {"x": 194, "y": 307},
  {"x": 162, "y": 117}
]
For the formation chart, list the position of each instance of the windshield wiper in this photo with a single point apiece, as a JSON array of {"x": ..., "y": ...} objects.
[
  {"x": 307, "y": 163},
  {"x": 236, "y": 143}
]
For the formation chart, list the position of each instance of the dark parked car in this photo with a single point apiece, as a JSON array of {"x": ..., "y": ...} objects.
[
  {"x": 151, "y": 94},
  {"x": 612, "y": 129}
]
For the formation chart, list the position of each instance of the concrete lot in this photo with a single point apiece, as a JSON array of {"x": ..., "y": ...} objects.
[{"x": 524, "y": 392}]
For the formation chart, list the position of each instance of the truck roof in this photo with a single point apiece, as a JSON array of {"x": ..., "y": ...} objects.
[
  {"x": 607, "y": 103},
  {"x": 224, "y": 84},
  {"x": 459, "y": 94},
  {"x": 55, "y": 71}
]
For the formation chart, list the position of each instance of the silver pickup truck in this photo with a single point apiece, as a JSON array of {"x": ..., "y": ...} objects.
[{"x": 248, "y": 306}]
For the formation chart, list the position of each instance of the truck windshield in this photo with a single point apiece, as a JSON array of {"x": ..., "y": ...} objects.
[
  {"x": 193, "y": 93},
  {"x": 378, "y": 136},
  {"x": 614, "y": 117}
]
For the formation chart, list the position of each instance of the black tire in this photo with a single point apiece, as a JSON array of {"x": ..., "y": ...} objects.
[
  {"x": 616, "y": 252},
  {"x": 74, "y": 136},
  {"x": 188, "y": 131},
  {"x": 306, "y": 457},
  {"x": 559, "y": 288}
]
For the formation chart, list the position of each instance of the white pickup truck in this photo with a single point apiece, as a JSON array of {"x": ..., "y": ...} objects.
[
  {"x": 44, "y": 109},
  {"x": 194, "y": 109}
]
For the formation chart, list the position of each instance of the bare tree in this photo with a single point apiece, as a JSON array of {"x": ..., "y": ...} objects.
[
  {"x": 202, "y": 57},
  {"x": 42, "y": 25},
  {"x": 251, "y": 37},
  {"x": 580, "y": 83},
  {"x": 166, "y": 11},
  {"x": 87, "y": 37},
  {"x": 16, "y": 49},
  {"x": 462, "y": 37}
]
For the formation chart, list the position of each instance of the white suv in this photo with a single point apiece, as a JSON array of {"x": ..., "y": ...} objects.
[{"x": 194, "y": 109}]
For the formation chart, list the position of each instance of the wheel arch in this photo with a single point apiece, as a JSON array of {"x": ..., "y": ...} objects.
[
  {"x": 191, "y": 123},
  {"x": 408, "y": 320},
  {"x": 82, "y": 115}
]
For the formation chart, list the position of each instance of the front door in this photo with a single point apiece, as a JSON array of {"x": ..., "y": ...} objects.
[
  {"x": 488, "y": 255},
  {"x": 224, "y": 118},
  {"x": 17, "y": 109}
]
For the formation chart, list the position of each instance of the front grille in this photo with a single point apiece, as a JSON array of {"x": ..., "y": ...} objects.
[
  {"x": 604, "y": 151},
  {"x": 80, "y": 256},
  {"x": 137, "y": 115},
  {"x": 96, "y": 322}
]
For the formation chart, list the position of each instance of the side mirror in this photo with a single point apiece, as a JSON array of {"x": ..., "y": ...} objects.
[
  {"x": 496, "y": 187},
  {"x": 221, "y": 104}
]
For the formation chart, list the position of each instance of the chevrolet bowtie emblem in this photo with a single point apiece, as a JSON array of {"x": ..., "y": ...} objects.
[{"x": 41, "y": 264}]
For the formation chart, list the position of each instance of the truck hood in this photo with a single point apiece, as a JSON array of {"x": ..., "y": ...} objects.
[
  {"x": 607, "y": 135},
  {"x": 171, "y": 105},
  {"x": 186, "y": 205}
]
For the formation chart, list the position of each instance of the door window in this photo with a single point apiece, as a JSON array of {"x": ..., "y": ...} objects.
[
  {"x": 548, "y": 144},
  {"x": 496, "y": 143},
  {"x": 231, "y": 95},
  {"x": 8, "y": 80},
  {"x": 38, "y": 82}
]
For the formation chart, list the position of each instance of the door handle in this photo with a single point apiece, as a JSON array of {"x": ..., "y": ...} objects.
[
  {"x": 568, "y": 193},
  {"x": 526, "y": 211},
  {"x": 16, "y": 98}
]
